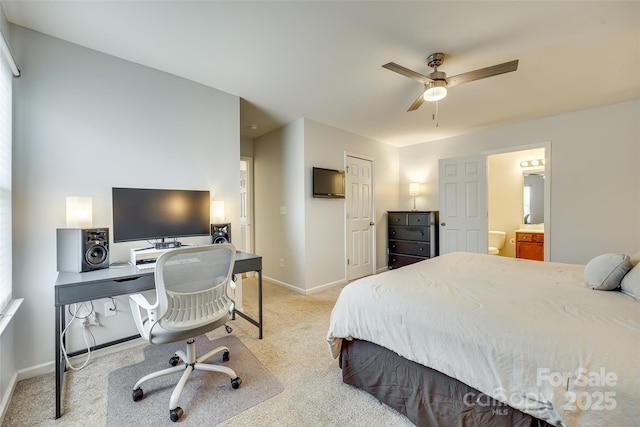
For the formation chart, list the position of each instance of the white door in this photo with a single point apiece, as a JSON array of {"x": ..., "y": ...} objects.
[
  {"x": 360, "y": 224},
  {"x": 463, "y": 204},
  {"x": 245, "y": 242}
]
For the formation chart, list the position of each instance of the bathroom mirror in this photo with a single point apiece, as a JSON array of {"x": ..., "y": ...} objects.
[{"x": 533, "y": 197}]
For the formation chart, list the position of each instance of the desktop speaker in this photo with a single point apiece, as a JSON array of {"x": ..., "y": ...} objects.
[
  {"x": 82, "y": 249},
  {"x": 220, "y": 233}
]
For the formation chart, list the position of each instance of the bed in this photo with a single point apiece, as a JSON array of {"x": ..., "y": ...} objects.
[{"x": 472, "y": 339}]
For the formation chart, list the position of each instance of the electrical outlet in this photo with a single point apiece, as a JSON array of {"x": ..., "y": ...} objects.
[
  {"x": 92, "y": 319},
  {"x": 109, "y": 309},
  {"x": 281, "y": 262}
]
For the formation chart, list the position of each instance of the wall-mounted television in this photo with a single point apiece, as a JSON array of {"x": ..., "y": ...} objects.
[
  {"x": 157, "y": 214},
  {"x": 328, "y": 183}
]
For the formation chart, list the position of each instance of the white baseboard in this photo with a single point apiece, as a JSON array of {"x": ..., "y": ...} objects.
[
  {"x": 49, "y": 367},
  {"x": 4, "y": 404},
  {"x": 325, "y": 287},
  {"x": 305, "y": 291}
]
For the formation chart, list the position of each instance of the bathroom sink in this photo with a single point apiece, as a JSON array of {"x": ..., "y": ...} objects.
[{"x": 532, "y": 228}]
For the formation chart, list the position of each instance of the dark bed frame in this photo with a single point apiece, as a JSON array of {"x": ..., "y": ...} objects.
[{"x": 425, "y": 396}]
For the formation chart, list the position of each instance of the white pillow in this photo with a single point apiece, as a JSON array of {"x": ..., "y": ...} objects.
[
  {"x": 631, "y": 282},
  {"x": 605, "y": 272},
  {"x": 635, "y": 258}
]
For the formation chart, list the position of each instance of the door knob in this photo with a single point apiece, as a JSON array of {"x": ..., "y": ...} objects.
[
  {"x": 443, "y": 224},
  {"x": 372, "y": 223}
]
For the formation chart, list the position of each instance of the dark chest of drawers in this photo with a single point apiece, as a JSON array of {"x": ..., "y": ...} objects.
[{"x": 412, "y": 236}]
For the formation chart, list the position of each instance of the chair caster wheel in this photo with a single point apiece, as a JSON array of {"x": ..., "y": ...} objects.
[
  {"x": 174, "y": 361},
  {"x": 175, "y": 414},
  {"x": 235, "y": 383},
  {"x": 137, "y": 394},
  {"x": 225, "y": 356}
]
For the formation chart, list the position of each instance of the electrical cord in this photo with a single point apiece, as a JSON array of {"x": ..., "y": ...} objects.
[
  {"x": 85, "y": 334},
  {"x": 77, "y": 309}
]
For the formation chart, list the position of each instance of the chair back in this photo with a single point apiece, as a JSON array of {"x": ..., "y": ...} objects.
[{"x": 192, "y": 286}]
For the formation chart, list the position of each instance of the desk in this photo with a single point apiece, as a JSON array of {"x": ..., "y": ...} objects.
[{"x": 73, "y": 288}]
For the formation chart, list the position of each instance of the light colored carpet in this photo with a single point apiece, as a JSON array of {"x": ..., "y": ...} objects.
[
  {"x": 294, "y": 350},
  {"x": 206, "y": 399}
]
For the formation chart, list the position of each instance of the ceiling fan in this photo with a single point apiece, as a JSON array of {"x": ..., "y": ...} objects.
[{"x": 437, "y": 82}]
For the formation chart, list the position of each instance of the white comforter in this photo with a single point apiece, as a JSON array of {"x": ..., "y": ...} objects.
[{"x": 530, "y": 334}]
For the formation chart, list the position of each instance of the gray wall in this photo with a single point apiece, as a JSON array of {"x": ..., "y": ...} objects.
[
  {"x": 279, "y": 183},
  {"x": 310, "y": 237},
  {"x": 326, "y": 146},
  {"x": 595, "y": 180},
  {"x": 85, "y": 122}
]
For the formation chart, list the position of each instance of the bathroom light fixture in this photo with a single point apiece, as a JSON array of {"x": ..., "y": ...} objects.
[
  {"x": 532, "y": 163},
  {"x": 435, "y": 91},
  {"x": 79, "y": 212},
  {"x": 414, "y": 190}
]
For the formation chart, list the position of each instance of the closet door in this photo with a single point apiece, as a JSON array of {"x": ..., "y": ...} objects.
[{"x": 360, "y": 225}]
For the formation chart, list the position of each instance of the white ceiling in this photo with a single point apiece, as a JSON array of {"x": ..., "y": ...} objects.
[{"x": 322, "y": 60}]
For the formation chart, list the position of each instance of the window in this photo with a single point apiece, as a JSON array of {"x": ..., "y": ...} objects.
[{"x": 6, "y": 78}]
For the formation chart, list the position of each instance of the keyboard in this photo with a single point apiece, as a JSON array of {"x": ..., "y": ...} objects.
[{"x": 146, "y": 266}]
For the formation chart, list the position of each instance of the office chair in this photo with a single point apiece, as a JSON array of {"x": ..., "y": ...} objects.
[{"x": 191, "y": 299}]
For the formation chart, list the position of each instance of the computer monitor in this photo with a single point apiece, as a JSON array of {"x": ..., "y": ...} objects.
[{"x": 159, "y": 214}]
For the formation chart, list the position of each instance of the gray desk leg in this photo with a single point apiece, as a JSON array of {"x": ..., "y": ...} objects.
[
  {"x": 260, "y": 304},
  {"x": 58, "y": 359},
  {"x": 249, "y": 319}
]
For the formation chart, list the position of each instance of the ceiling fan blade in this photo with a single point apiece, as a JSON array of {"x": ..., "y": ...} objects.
[
  {"x": 406, "y": 72},
  {"x": 482, "y": 73},
  {"x": 417, "y": 103}
]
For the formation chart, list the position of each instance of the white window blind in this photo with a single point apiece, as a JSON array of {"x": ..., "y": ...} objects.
[{"x": 6, "y": 80}]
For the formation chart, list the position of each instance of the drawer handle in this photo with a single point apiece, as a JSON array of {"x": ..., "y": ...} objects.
[{"x": 127, "y": 279}]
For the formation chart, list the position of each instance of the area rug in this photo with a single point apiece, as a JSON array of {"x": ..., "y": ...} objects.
[{"x": 207, "y": 398}]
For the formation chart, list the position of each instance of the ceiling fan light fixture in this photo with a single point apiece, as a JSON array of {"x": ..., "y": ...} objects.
[{"x": 436, "y": 91}]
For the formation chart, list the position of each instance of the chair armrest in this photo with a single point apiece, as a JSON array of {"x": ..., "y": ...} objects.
[
  {"x": 141, "y": 301},
  {"x": 145, "y": 322}
]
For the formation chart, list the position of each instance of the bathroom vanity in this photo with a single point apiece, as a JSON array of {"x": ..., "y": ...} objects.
[{"x": 530, "y": 244}]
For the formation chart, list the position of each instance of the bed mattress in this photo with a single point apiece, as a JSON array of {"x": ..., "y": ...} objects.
[{"x": 529, "y": 334}]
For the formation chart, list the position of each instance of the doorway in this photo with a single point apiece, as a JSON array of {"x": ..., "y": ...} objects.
[
  {"x": 469, "y": 209},
  {"x": 518, "y": 193},
  {"x": 246, "y": 241},
  {"x": 360, "y": 226}
]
